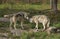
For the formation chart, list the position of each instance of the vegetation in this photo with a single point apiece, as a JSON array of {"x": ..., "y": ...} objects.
[{"x": 34, "y": 9}]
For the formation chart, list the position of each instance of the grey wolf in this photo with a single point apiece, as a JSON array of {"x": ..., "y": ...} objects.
[
  {"x": 40, "y": 19},
  {"x": 21, "y": 16}
]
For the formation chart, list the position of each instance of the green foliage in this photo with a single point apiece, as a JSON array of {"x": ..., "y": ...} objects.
[
  {"x": 57, "y": 24},
  {"x": 39, "y": 35},
  {"x": 24, "y": 35}
]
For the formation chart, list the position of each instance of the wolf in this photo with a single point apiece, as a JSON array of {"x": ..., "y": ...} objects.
[
  {"x": 40, "y": 19},
  {"x": 21, "y": 16}
]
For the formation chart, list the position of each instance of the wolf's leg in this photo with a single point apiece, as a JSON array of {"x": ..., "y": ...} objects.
[
  {"x": 10, "y": 23},
  {"x": 15, "y": 25},
  {"x": 48, "y": 24},
  {"x": 44, "y": 27},
  {"x": 22, "y": 24},
  {"x": 36, "y": 26}
]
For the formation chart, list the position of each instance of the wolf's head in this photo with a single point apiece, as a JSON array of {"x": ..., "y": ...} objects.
[{"x": 26, "y": 15}]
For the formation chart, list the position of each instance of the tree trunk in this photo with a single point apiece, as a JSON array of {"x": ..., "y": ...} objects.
[{"x": 53, "y": 4}]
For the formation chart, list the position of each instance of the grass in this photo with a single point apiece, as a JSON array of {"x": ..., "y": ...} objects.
[
  {"x": 24, "y": 6},
  {"x": 39, "y": 35}
]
